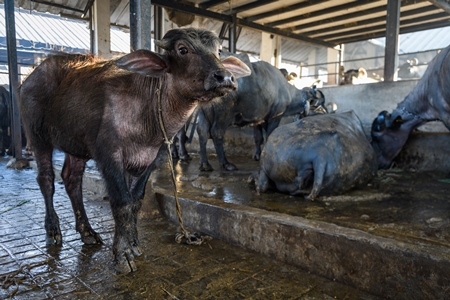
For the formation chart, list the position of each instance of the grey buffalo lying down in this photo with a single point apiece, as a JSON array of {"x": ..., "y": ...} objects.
[
  {"x": 108, "y": 110},
  {"x": 318, "y": 155},
  {"x": 428, "y": 101}
]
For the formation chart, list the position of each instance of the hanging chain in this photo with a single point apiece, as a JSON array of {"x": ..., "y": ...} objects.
[{"x": 185, "y": 236}]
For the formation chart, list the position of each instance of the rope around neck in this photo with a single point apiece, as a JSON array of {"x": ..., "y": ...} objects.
[{"x": 185, "y": 236}]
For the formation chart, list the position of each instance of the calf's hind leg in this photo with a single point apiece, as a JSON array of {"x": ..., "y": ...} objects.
[
  {"x": 46, "y": 179},
  {"x": 72, "y": 175}
]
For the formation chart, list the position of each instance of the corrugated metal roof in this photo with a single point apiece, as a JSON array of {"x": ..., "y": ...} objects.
[
  {"x": 425, "y": 40},
  {"x": 55, "y": 31}
]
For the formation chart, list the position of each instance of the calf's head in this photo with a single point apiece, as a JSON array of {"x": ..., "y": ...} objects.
[{"x": 190, "y": 65}]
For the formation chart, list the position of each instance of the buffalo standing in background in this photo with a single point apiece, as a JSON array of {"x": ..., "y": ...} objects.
[
  {"x": 320, "y": 155},
  {"x": 428, "y": 101},
  {"x": 108, "y": 110},
  {"x": 262, "y": 100}
]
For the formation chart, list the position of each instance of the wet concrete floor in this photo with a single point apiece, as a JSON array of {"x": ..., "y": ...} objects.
[
  {"x": 404, "y": 205},
  {"x": 216, "y": 270}
]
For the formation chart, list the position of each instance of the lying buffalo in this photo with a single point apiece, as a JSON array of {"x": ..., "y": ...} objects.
[
  {"x": 428, "y": 101},
  {"x": 321, "y": 155},
  {"x": 108, "y": 110},
  {"x": 261, "y": 100}
]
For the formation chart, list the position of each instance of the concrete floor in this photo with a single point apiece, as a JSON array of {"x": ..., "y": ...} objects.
[
  {"x": 390, "y": 238},
  {"x": 216, "y": 270}
]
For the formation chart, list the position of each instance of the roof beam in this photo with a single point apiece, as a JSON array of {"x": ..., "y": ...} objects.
[
  {"x": 445, "y": 5},
  {"x": 404, "y": 23},
  {"x": 59, "y": 6},
  {"x": 212, "y": 3},
  {"x": 321, "y": 12},
  {"x": 408, "y": 13},
  {"x": 340, "y": 18},
  {"x": 88, "y": 7},
  {"x": 240, "y": 22},
  {"x": 249, "y": 6},
  {"x": 382, "y": 32},
  {"x": 284, "y": 10},
  {"x": 350, "y": 16}
]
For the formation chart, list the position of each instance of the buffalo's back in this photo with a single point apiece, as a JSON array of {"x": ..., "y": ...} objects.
[{"x": 338, "y": 140}]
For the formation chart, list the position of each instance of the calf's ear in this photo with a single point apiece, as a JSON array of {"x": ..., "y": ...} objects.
[
  {"x": 143, "y": 62},
  {"x": 236, "y": 66}
]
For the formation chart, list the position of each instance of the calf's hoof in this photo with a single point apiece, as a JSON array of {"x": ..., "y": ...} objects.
[
  {"x": 229, "y": 167},
  {"x": 53, "y": 239},
  {"x": 256, "y": 157},
  {"x": 206, "y": 167},
  {"x": 91, "y": 237},
  {"x": 53, "y": 234},
  {"x": 124, "y": 262},
  {"x": 124, "y": 252}
]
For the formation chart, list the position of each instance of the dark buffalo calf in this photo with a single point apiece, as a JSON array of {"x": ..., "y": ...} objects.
[
  {"x": 320, "y": 155},
  {"x": 108, "y": 110}
]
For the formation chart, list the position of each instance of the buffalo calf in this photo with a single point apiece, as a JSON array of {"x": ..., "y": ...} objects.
[{"x": 108, "y": 110}]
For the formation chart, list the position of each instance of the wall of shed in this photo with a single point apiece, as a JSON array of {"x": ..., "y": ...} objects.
[{"x": 425, "y": 151}]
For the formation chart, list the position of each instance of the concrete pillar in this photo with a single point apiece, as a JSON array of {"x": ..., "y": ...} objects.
[
  {"x": 312, "y": 69},
  {"x": 270, "y": 49},
  {"x": 333, "y": 65},
  {"x": 101, "y": 28},
  {"x": 277, "y": 52}
]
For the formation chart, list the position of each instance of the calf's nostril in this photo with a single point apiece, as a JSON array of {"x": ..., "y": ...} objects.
[
  {"x": 219, "y": 76},
  {"x": 224, "y": 76}
]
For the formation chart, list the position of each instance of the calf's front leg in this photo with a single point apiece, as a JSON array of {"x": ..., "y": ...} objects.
[{"x": 125, "y": 192}]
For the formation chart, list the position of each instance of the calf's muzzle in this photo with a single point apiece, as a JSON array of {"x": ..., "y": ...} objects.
[{"x": 222, "y": 81}]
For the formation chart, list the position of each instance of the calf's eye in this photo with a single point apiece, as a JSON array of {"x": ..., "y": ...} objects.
[{"x": 183, "y": 50}]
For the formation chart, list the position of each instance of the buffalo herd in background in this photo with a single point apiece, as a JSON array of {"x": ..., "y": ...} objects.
[
  {"x": 119, "y": 111},
  {"x": 323, "y": 154}
]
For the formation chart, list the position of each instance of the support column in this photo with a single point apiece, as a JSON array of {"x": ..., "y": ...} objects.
[
  {"x": 140, "y": 24},
  {"x": 158, "y": 25},
  {"x": 13, "y": 80},
  {"x": 101, "y": 27},
  {"x": 312, "y": 68},
  {"x": 270, "y": 49},
  {"x": 392, "y": 31},
  {"x": 333, "y": 65},
  {"x": 232, "y": 35}
]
